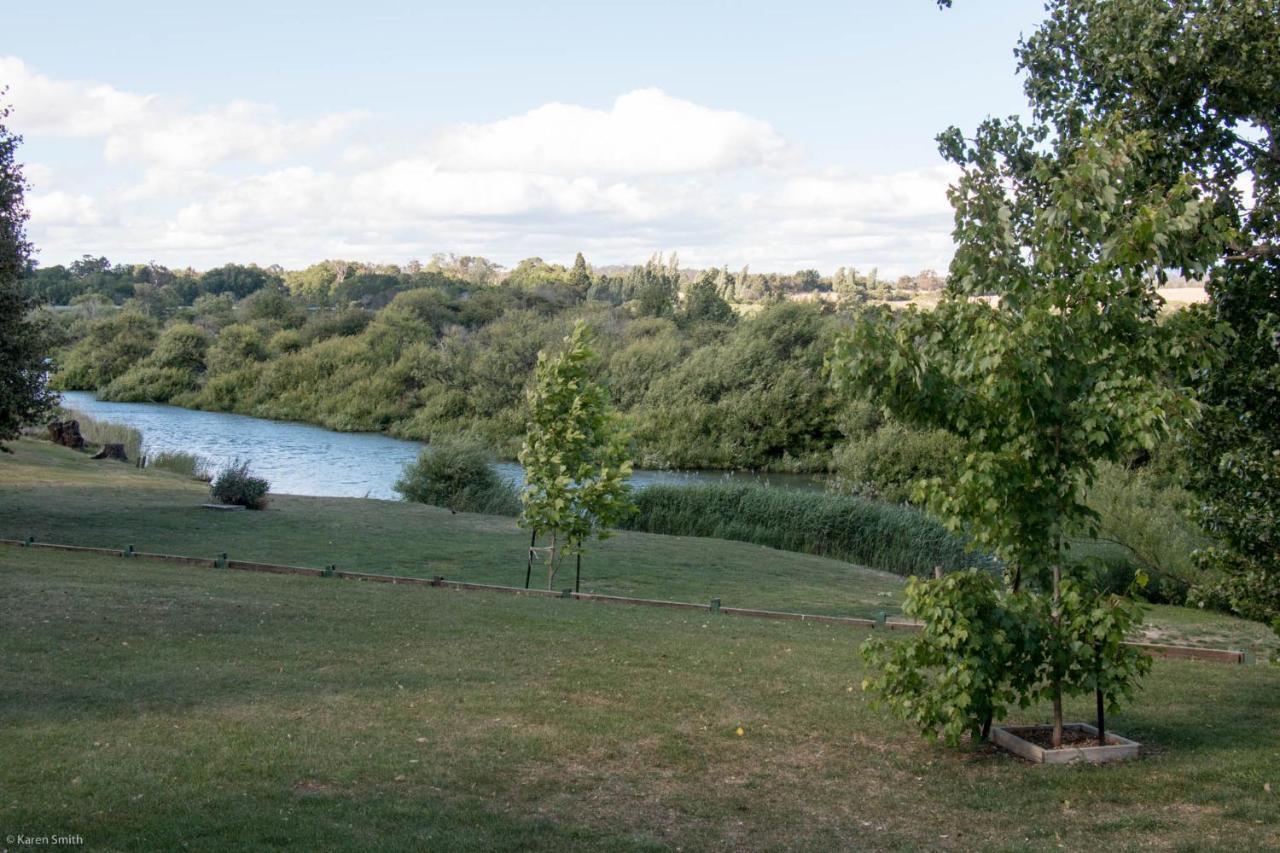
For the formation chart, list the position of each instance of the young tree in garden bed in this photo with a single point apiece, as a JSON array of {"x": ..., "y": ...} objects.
[
  {"x": 1062, "y": 369},
  {"x": 575, "y": 456}
]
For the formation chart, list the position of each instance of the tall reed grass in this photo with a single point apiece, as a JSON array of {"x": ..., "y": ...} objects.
[
  {"x": 883, "y": 536},
  {"x": 107, "y": 432},
  {"x": 180, "y": 462}
]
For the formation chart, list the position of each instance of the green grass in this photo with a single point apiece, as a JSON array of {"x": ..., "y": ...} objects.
[
  {"x": 1181, "y": 626},
  {"x": 156, "y": 707},
  {"x": 58, "y": 495}
]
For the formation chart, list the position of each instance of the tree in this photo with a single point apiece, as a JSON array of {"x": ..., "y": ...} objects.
[
  {"x": 1201, "y": 78},
  {"x": 1063, "y": 370},
  {"x": 24, "y": 396},
  {"x": 580, "y": 276},
  {"x": 575, "y": 455},
  {"x": 654, "y": 286},
  {"x": 703, "y": 302}
]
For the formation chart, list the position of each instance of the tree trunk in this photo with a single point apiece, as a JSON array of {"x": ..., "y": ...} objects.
[
  {"x": 1102, "y": 718},
  {"x": 1057, "y": 678},
  {"x": 1101, "y": 699},
  {"x": 551, "y": 561}
]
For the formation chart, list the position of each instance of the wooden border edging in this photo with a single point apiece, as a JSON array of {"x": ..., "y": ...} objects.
[{"x": 1157, "y": 650}]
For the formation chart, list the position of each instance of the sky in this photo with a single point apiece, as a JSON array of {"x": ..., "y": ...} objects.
[{"x": 782, "y": 136}]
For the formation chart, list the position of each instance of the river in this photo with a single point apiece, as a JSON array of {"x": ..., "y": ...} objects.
[{"x": 300, "y": 459}]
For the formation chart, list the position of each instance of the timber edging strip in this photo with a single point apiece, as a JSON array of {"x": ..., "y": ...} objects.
[{"x": 1154, "y": 649}]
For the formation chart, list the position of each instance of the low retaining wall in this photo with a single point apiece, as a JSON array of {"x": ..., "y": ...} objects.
[{"x": 222, "y": 562}]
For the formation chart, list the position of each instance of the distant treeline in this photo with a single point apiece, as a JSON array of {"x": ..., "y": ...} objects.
[{"x": 341, "y": 283}]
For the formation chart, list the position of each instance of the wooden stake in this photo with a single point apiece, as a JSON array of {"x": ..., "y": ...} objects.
[
  {"x": 1057, "y": 679},
  {"x": 528, "y": 572}
]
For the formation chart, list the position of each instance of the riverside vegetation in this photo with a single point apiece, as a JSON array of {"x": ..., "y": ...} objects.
[{"x": 444, "y": 352}]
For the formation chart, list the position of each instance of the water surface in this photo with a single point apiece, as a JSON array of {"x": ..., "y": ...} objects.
[{"x": 301, "y": 459}]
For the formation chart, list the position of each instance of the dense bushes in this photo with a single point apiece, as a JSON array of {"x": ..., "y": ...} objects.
[
  {"x": 886, "y": 460},
  {"x": 892, "y": 538},
  {"x": 456, "y": 473},
  {"x": 237, "y": 486}
]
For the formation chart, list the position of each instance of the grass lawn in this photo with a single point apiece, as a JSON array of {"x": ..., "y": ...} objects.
[
  {"x": 156, "y": 707},
  {"x": 58, "y": 495}
]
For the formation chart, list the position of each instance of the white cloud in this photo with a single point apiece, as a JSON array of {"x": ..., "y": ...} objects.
[
  {"x": 645, "y": 132},
  {"x": 921, "y": 192},
  {"x": 152, "y": 179},
  {"x": 149, "y": 130},
  {"x": 61, "y": 208}
]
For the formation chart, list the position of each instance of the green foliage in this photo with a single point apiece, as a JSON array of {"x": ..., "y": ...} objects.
[
  {"x": 654, "y": 287},
  {"x": 1086, "y": 645},
  {"x": 24, "y": 397},
  {"x": 146, "y": 383},
  {"x": 755, "y": 400},
  {"x": 883, "y": 536},
  {"x": 111, "y": 345},
  {"x": 1070, "y": 225},
  {"x": 458, "y": 473},
  {"x": 575, "y": 456},
  {"x": 983, "y": 650},
  {"x": 704, "y": 304},
  {"x": 1150, "y": 519},
  {"x": 443, "y": 357},
  {"x": 237, "y": 486},
  {"x": 236, "y": 346},
  {"x": 1064, "y": 370},
  {"x": 181, "y": 346},
  {"x": 1213, "y": 95},
  {"x": 974, "y": 658},
  {"x": 888, "y": 461}
]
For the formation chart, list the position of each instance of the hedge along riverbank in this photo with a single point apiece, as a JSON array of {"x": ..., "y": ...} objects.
[{"x": 888, "y": 537}]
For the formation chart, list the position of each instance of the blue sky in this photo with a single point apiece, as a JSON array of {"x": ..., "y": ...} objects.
[{"x": 780, "y": 135}]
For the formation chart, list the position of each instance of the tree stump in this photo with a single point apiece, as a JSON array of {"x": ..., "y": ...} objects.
[
  {"x": 111, "y": 451},
  {"x": 67, "y": 434}
]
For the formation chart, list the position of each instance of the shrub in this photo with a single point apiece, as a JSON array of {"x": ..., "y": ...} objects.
[
  {"x": 1148, "y": 522},
  {"x": 456, "y": 473},
  {"x": 892, "y": 538},
  {"x": 887, "y": 462},
  {"x": 235, "y": 485},
  {"x": 144, "y": 383},
  {"x": 179, "y": 462}
]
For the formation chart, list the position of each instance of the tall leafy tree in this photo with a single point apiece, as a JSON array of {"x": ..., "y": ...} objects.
[
  {"x": 1044, "y": 356},
  {"x": 1215, "y": 95},
  {"x": 1202, "y": 79},
  {"x": 575, "y": 455},
  {"x": 24, "y": 396}
]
